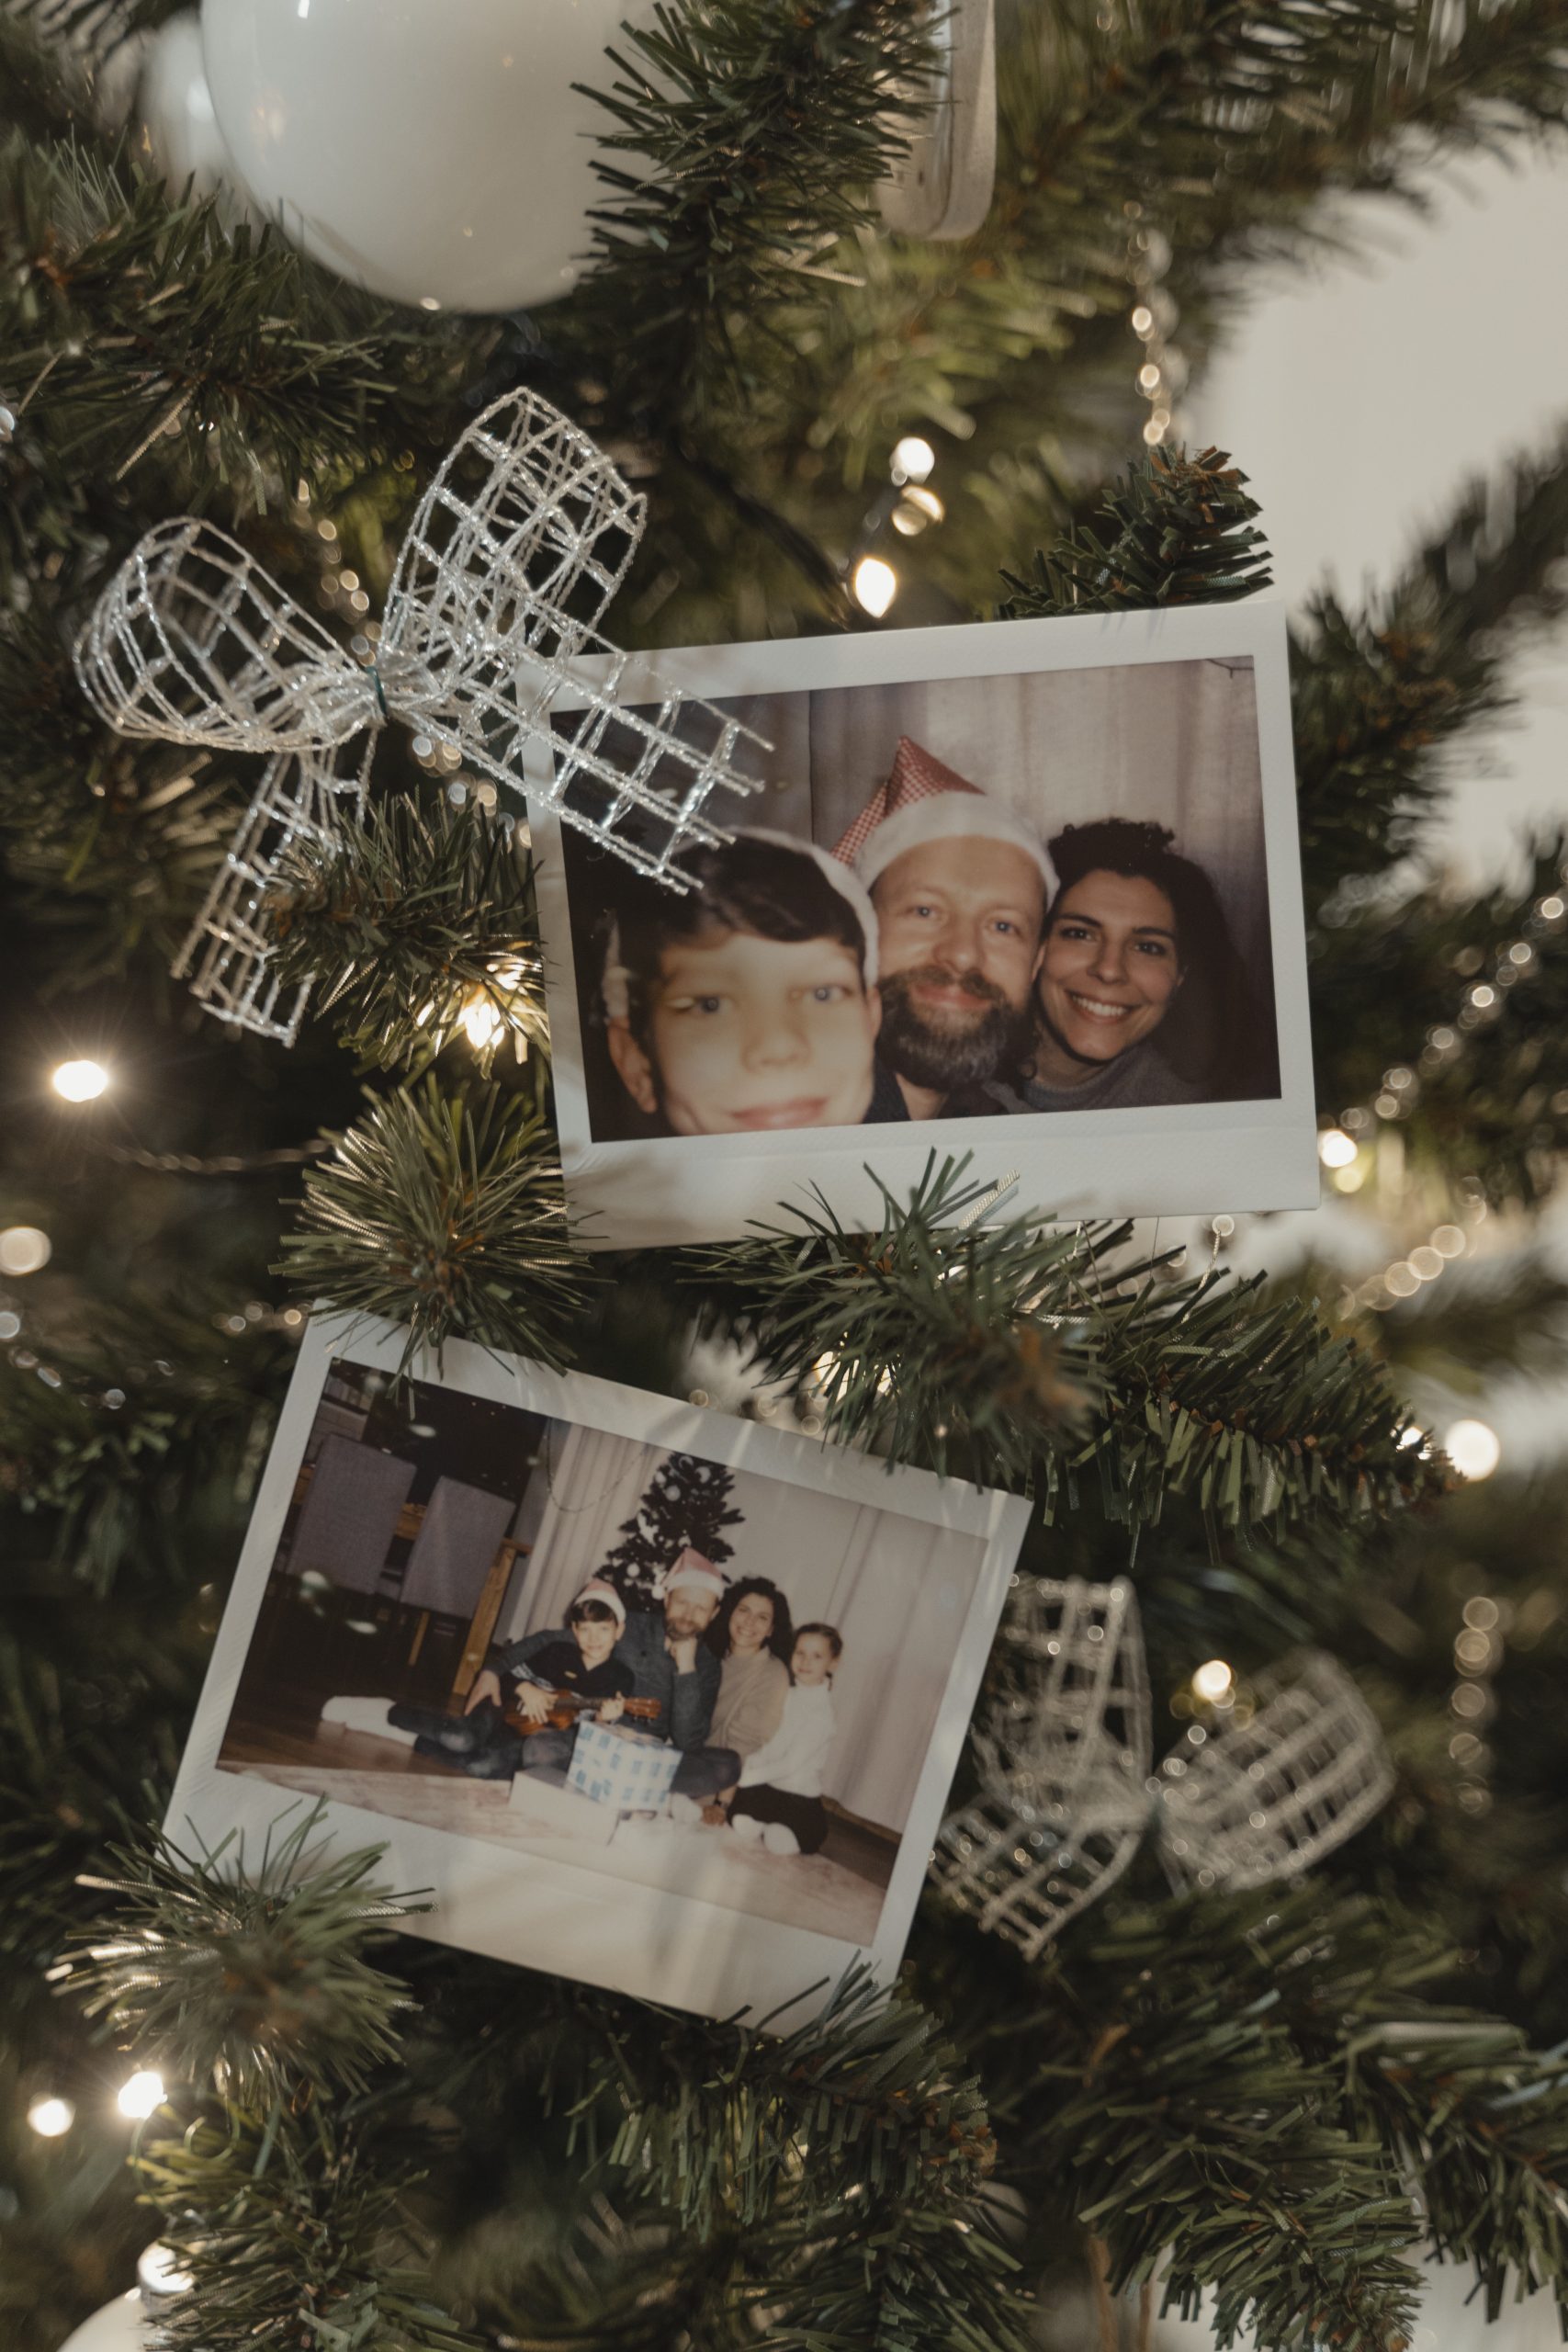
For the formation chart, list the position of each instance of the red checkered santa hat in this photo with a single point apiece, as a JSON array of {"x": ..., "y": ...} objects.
[{"x": 925, "y": 800}]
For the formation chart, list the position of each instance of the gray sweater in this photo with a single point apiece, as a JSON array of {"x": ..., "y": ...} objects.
[{"x": 1135, "y": 1080}]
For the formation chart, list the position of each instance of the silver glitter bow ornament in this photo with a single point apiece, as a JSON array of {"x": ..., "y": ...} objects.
[
  {"x": 514, "y": 552},
  {"x": 1261, "y": 1790}
]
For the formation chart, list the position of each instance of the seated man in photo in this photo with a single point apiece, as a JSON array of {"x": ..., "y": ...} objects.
[
  {"x": 958, "y": 882},
  {"x": 750, "y": 1004}
]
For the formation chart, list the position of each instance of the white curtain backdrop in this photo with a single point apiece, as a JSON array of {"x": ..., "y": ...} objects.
[
  {"x": 897, "y": 1589},
  {"x": 588, "y": 1483},
  {"x": 898, "y": 1594},
  {"x": 1172, "y": 741}
]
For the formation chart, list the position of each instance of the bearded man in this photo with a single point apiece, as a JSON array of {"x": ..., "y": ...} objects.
[{"x": 960, "y": 885}]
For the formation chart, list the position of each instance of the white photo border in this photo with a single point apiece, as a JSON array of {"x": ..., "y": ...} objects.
[
  {"x": 1171, "y": 1159},
  {"x": 673, "y": 1948}
]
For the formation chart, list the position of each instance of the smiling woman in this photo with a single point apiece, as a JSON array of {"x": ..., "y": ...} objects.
[{"x": 1132, "y": 925}]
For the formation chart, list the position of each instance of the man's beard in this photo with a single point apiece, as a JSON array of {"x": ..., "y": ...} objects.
[{"x": 943, "y": 1060}]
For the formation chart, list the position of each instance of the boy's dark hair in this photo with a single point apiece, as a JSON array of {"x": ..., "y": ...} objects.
[
  {"x": 830, "y": 1634},
  {"x": 591, "y": 1612},
  {"x": 745, "y": 884}
]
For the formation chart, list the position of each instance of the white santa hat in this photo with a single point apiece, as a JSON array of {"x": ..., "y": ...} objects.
[
  {"x": 841, "y": 877},
  {"x": 690, "y": 1572},
  {"x": 596, "y": 1589},
  {"x": 615, "y": 985},
  {"x": 925, "y": 800}
]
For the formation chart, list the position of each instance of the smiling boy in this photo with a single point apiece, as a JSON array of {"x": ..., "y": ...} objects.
[{"x": 749, "y": 1005}]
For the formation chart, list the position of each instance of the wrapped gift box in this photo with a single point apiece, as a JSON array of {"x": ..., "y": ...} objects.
[{"x": 626, "y": 1771}]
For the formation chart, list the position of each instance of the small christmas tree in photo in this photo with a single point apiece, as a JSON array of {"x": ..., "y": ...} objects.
[{"x": 686, "y": 1505}]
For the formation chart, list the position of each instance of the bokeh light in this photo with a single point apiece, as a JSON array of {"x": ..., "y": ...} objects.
[
  {"x": 142, "y": 2095},
  {"x": 24, "y": 1248},
  {"x": 874, "y": 584},
  {"x": 1473, "y": 1447},
  {"x": 80, "y": 1081}
]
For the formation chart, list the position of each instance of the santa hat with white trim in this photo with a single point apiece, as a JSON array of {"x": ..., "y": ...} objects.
[
  {"x": 925, "y": 800},
  {"x": 596, "y": 1589},
  {"x": 615, "y": 989},
  {"x": 690, "y": 1572}
]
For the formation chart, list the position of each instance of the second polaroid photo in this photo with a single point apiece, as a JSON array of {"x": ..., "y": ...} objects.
[{"x": 1028, "y": 890}]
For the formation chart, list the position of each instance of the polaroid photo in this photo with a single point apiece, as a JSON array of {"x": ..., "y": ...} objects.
[
  {"x": 643, "y": 1694},
  {"x": 1028, "y": 890}
]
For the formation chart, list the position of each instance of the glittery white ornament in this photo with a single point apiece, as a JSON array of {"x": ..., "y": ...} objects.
[{"x": 437, "y": 154}]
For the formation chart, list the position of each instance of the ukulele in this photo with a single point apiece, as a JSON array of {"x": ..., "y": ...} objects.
[{"x": 566, "y": 1706}]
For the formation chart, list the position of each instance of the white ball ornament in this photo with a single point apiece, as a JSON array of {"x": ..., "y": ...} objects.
[
  {"x": 117, "y": 2328},
  {"x": 433, "y": 153},
  {"x": 173, "y": 106},
  {"x": 121, "y": 2326}
]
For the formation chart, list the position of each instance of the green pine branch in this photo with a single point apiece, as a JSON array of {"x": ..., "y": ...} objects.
[
  {"x": 1379, "y": 695},
  {"x": 758, "y": 133},
  {"x": 816, "y": 2188},
  {"x": 1181, "y": 533},
  {"x": 250, "y": 1976},
  {"x": 95, "y": 1433},
  {"x": 1432, "y": 988},
  {"x": 444, "y": 1212},
  {"x": 291, "y": 2234},
  {"x": 1020, "y": 1352},
  {"x": 408, "y": 922},
  {"x": 1146, "y": 2078}
]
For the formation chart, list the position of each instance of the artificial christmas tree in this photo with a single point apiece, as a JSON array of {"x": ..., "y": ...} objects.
[{"x": 1233, "y": 2097}]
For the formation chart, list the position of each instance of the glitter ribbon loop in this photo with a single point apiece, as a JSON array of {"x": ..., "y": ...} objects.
[
  {"x": 513, "y": 556},
  {"x": 192, "y": 640},
  {"x": 1067, "y": 1795}
]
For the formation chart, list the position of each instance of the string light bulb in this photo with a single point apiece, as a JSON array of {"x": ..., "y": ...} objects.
[
  {"x": 51, "y": 2118},
  {"x": 160, "y": 2274},
  {"x": 79, "y": 1082},
  {"x": 484, "y": 1024},
  {"x": 1473, "y": 1447},
  {"x": 24, "y": 1248},
  {"x": 141, "y": 2093},
  {"x": 1335, "y": 1148},
  {"x": 874, "y": 585},
  {"x": 1212, "y": 1680},
  {"x": 913, "y": 459}
]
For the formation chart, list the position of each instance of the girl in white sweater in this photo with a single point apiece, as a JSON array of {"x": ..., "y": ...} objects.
[{"x": 779, "y": 1802}]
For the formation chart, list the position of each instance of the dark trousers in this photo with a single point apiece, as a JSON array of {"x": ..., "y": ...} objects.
[
  {"x": 808, "y": 1816},
  {"x": 702, "y": 1772}
]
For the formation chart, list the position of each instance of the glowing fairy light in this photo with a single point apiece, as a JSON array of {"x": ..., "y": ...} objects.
[
  {"x": 1335, "y": 1148},
  {"x": 1213, "y": 1682},
  {"x": 874, "y": 585},
  {"x": 1473, "y": 1447},
  {"x": 913, "y": 459},
  {"x": 141, "y": 2093},
  {"x": 24, "y": 1248},
  {"x": 80, "y": 1081},
  {"x": 51, "y": 2118},
  {"x": 483, "y": 1023}
]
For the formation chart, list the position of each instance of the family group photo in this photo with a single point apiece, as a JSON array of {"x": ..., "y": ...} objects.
[
  {"x": 513, "y": 1627},
  {"x": 956, "y": 899}
]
